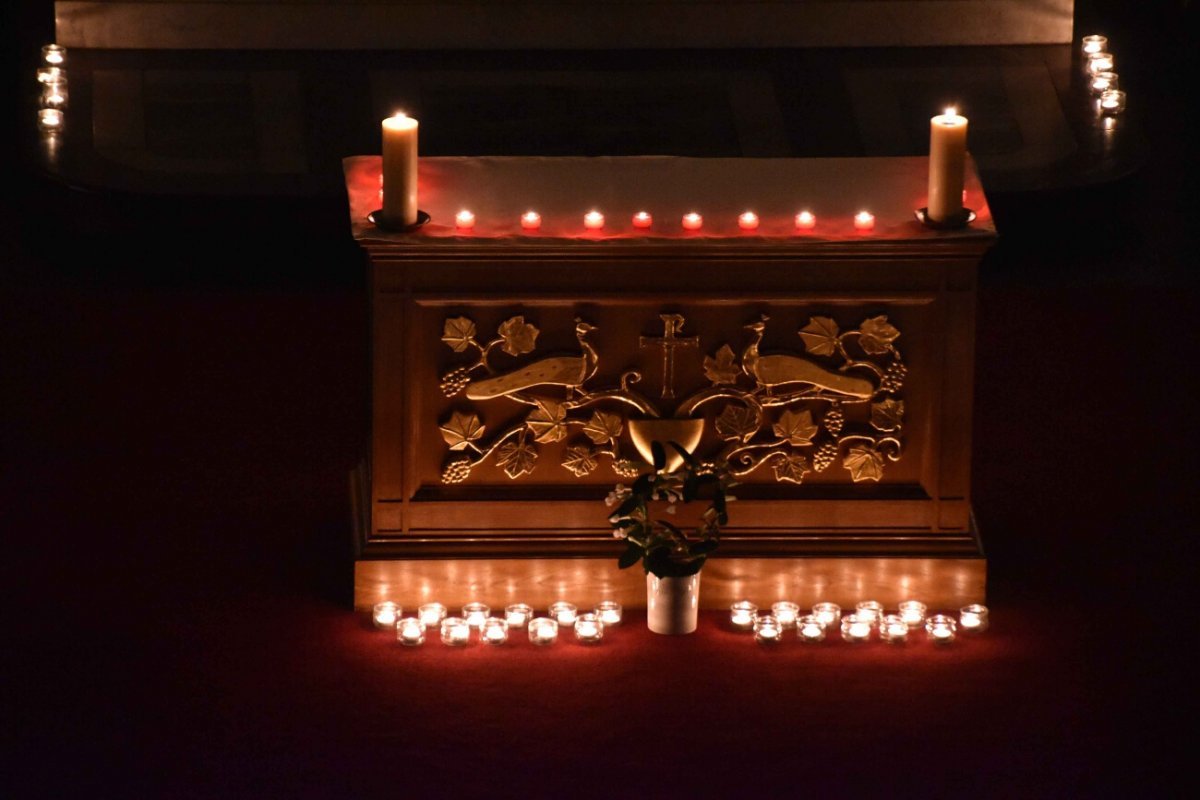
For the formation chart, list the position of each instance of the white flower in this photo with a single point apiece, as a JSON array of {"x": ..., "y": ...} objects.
[
  {"x": 620, "y": 533},
  {"x": 617, "y": 495},
  {"x": 671, "y": 509}
]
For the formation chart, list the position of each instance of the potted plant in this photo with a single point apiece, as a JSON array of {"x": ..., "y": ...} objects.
[{"x": 671, "y": 557}]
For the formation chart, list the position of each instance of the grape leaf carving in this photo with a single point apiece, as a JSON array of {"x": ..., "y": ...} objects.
[
  {"x": 877, "y": 335},
  {"x": 461, "y": 430},
  {"x": 603, "y": 426},
  {"x": 797, "y": 427},
  {"x": 723, "y": 369},
  {"x": 548, "y": 421},
  {"x": 517, "y": 457},
  {"x": 580, "y": 460},
  {"x": 518, "y": 335},
  {"x": 864, "y": 463},
  {"x": 790, "y": 467},
  {"x": 887, "y": 415},
  {"x": 458, "y": 333},
  {"x": 737, "y": 423},
  {"x": 820, "y": 336}
]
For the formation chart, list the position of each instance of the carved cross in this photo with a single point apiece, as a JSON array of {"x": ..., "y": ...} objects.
[{"x": 672, "y": 324}]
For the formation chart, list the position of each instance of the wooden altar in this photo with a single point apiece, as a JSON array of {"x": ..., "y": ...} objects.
[{"x": 518, "y": 374}]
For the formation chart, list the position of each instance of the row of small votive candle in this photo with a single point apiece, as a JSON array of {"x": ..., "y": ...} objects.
[
  {"x": 868, "y": 615},
  {"x": 494, "y": 630},
  {"x": 52, "y": 76},
  {"x": 1103, "y": 82},
  {"x": 642, "y": 220}
]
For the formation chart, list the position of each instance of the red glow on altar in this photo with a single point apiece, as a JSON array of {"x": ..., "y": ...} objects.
[
  {"x": 748, "y": 221},
  {"x": 464, "y": 220},
  {"x": 642, "y": 220},
  {"x": 593, "y": 220},
  {"x": 531, "y": 220},
  {"x": 692, "y": 221},
  {"x": 806, "y": 221},
  {"x": 864, "y": 221}
]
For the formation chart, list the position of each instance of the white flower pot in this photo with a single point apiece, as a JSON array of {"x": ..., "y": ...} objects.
[{"x": 672, "y": 603}]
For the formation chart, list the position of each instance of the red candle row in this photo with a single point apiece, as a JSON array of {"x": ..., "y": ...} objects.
[{"x": 594, "y": 221}]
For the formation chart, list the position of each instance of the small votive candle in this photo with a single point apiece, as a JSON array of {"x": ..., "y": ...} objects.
[
  {"x": 464, "y": 220},
  {"x": 869, "y": 611},
  {"x": 1102, "y": 82},
  {"x": 854, "y": 629},
  {"x": 54, "y": 55},
  {"x": 940, "y": 628},
  {"x": 1112, "y": 102},
  {"x": 1093, "y": 44},
  {"x": 50, "y": 119},
  {"x": 973, "y": 618},
  {"x": 588, "y": 628},
  {"x": 531, "y": 220},
  {"x": 564, "y": 612},
  {"x": 748, "y": 221},
  {"x": 864, "y": 221},
  {"x": 692, "y": 221},
  {"x": 385, "y": 614},
  {"x": 1101, "y": 62},
  {"x": 593, "y": 220},
  {"x": 609, "y": 612},
  {"x": 642, "y": 220},
  {"x": 913, "y": 612},
  {"x": 494, "y": 631},
  {"x": 431, "y": 614},
  {"x": 786, "y": 612},
  {"x": 543, "y": 630},
  {"x": 767, "y": 629},
  {"x": 410, "y": 632},
  {"x": 54, "y": 95},
  {"x": 742, "y": 614},
  {"x": 518, "y": 615},
  {"x": 51, "y": 74},
  {"x": 455, "y": 631},
  {"x": 806, "y": 221},
  {"x": 893, "y": 629},
  {"x": 810, "y": 628},
  {"x": 476, "y": 614},
  {"x": 827, "y": 614}
]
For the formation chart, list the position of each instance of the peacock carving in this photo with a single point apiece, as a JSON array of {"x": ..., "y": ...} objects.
[
  {"x": 569, "y": 371},
  {"x": 770, "y": 371}
]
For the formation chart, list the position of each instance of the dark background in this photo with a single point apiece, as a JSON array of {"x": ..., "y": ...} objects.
[{"x": 184, "y": 393}]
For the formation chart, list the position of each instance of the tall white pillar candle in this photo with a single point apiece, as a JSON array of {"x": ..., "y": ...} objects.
[
  {"x": 947, "y": 162},
  {"x": 400, "y": 170}
]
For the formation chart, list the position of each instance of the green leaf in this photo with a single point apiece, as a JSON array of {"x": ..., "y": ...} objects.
[
  {"x": 643, "y": 486},
  {"x": 672, "y": 528},
  {"x": 659, "y": 455},
  {"x": 631, "y": 556},
  {"x": 705, "y": 547}
]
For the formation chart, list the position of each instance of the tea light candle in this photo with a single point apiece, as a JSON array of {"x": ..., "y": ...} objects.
[
  {"x": 476, "y": 614},
  {"x": 1093, "y": 44},
  {"x": 1112, "y": 102},
  {"x": 767, "y": 629},
  {"x": 913, "y": 612},
  {"x": 748, "y": 221},
  {"x": 54, "y": 95},
  {"x": 589, "y": 629},
  {"x": 973, "y": 618},
  {"x": 854, "y": 629},
  {"x": 50, "y": 119},
  {"x": 1101, "y": 62},
  {"x": 51, "y": 74},
  {"x": 742, "y": 614},
  {"x": 431, "y": 614},
  {"x": 692, "y": 221},
  {"x": 810, "y": 628},
  {"x": 786, "y": 612},
  {"x": 410, "y": 632},
  {"x": 400, "y": 169},
  {"x": 531, "y": 220},
  {"x": 827, "y": 614},
  {"x": 893, "y": 629},
  {"x": 464, "y": 220},
  {"x": 543, "y": 630},
  {"x": 455, "y": 631},
  {"x": 947, "y": 164},
  {"x": 869, "y": 611},
  {"x": 494, "y": 631},
  {"x": 1102, "y": 82},
  {"x": 609, "y": 612},
  {"x": 385, "y": 614},
  {"x": 940, "y": 628},
  {"x": 564, "y": 612},
  {"x": 864, "y": 221},
  {"x": 54, "y": 55},
  {"x": 806, "y": 221},
  {"x": 593, "y": 220},
  {"x": 518, "y": 615},
  {"x": 642, "y": 220}
]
